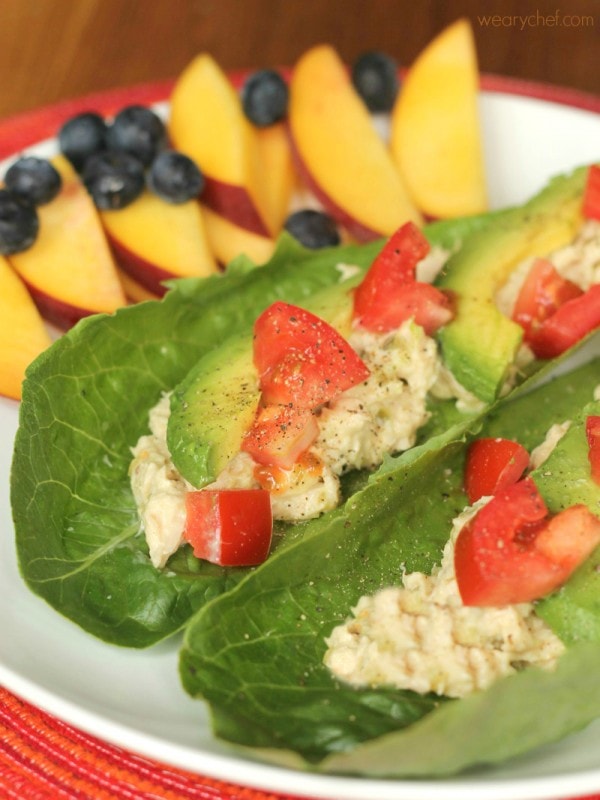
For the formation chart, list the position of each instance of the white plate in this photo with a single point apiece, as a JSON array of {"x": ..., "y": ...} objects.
[{"x": 134, "y": 699}]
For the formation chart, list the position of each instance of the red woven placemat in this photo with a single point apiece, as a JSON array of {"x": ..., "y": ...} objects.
[{"x": 43, "y": 758}]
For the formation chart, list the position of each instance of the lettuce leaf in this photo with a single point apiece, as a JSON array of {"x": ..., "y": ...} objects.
[
  {"x": 85, "y": 403},
  {"x": 256, "y": 653}
]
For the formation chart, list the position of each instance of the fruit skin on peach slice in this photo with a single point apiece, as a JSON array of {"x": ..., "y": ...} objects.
[
  {"x": 69, "y": 270},
  {"x": 435, "y": 128},
  {"x": 23, "y": 335},
  {"x": 228, "y": 240},
  {"x": 154, "y": 241},
  {"x": 340, "y": 155},
  {"x": 208, "y": 124}
]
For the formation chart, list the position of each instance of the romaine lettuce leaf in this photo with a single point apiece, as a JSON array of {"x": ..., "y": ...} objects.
[
  {"x": 85, "y": 403},
  {"x": 256, "y": 653}
]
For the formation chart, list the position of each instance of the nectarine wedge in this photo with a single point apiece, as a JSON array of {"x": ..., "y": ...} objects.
[
  {"x": 435, "y": 128},
  {"x": 23, "y": 335},
  {"x": 340, "y": 155},
  {"x": 154, "y": 240},
  {"x": 228, "y": 240},
  {"x": 278, "y": 172},
  {"x": 208, "y": 124},
  {"x": 69, "y": 270},
  {"x": 135, "y": 291}
]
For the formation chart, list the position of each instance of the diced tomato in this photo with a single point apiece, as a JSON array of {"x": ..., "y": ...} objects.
[
  {"x": 568, "y": 325},
  {"x": 390, "y": 294},
  {"x": 280, "y": 434},
  {"x": 395, "y": 264},
  {"x": 592, "y": 432},
  {"x": 568, "y": 538},
  {"x": 309, "y": 381},
  {"x": 543, "y": 292},
  {"x": 492, "y": 465},
  {"x": 513, "y": 552},
  {"x": 591, "y": 195},
  {"x": 301, "y": 359},
  {"x": 429, "y": 307},
  {"x": 230, "y": 527}
]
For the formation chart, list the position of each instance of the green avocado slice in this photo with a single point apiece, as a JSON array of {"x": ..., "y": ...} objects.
[
  {"x": 480, "y": 344},
  {"x": 220, "y": 395},
  {"x": 215, "y": 404}
]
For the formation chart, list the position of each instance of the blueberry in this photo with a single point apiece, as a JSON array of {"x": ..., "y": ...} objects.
[
  {"x": 375, "y": 78},
  {"x": 82, "y": 136},
  {"x": 313, "y": 229},
  {"x": 265, "y": 97},
  {"x": 175, "y": 177},
  {"x": 19, "y": 223},
  {"x": 34, "y": 179},
  {"x": 113, "y": 179},
  {"x": 137, "y": 130}
]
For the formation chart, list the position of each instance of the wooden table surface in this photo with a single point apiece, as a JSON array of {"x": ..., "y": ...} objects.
[{"x": 57, "y": 49}]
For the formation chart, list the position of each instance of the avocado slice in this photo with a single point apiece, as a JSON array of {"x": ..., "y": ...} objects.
[
  {"x": 211, "y": 409},
  {"x": 480, "y": 344},
  {"x": 564, "y": 480},
  {"x": 215, "y": 404}
]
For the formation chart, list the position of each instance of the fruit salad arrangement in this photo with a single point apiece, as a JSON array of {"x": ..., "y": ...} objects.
[{"x": 133, "y": 201}]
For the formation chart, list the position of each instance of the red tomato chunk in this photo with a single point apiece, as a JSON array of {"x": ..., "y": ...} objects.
[
  {"x": 280, "y": 435},
  {"x": 592, "y": 432},
  {"x": 230, "y": 527},
  {"x": 302, "y": 359},
  {"x": 390, "y": 294},
  {"x": 543, "y": 292},
  {"x": 493, "y": 464},
  {"x": 568, "y": 324},
  {"x": 302, "y": 362},
  {"x": 512, "y": 551}
]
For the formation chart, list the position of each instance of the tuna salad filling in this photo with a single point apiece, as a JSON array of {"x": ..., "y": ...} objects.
[
  {"x": 356, "y": 430},
  {"x": 421, "y": 636}
]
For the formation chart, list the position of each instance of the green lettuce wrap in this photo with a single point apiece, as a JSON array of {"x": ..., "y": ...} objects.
[
  {"x": 85, "y": 403},
  {"x": 256, "y": 653}
]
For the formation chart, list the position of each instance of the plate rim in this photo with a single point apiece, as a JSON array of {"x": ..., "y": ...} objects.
[{"x": 27, "y": 128}]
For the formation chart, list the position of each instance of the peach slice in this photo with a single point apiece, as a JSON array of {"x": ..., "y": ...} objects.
[
  {"x": 154, "y": 241},
  {"x": 435, "y": 128},
  {"x": 23, "y": 335},
  {"x": 279, "y": 175},
  {"x": 208, "y": 124},
  {"x": 228, "y": 240},
  {"x": 134, "y": 290},
  {"x": 69, "y": 270},
  {"x": 340, "y": 155}
]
